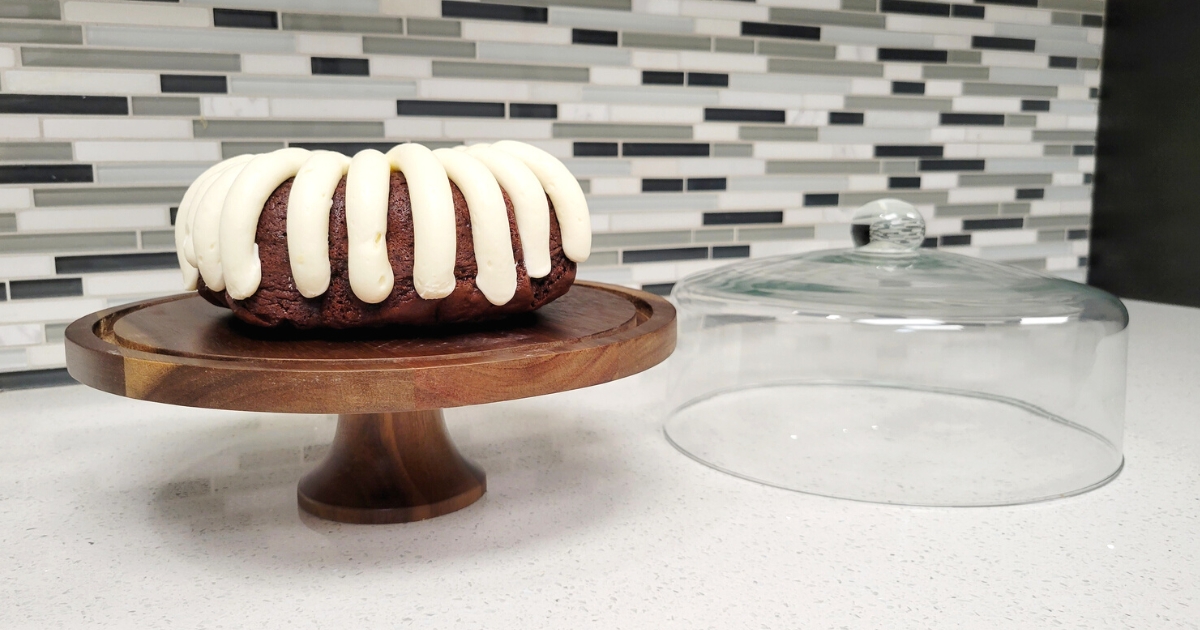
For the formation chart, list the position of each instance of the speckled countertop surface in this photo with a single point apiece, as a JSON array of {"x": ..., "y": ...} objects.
[{"x": 116, "y": 513}]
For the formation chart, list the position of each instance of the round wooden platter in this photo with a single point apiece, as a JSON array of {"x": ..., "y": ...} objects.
[{"x": 391, "y": 459}]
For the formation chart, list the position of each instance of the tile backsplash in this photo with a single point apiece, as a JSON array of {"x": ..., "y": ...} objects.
[{"x": 703, "y": 131}]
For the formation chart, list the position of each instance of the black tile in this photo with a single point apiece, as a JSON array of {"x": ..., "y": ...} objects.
[
  {"x": 345, "y": 148},
  {"x": 949, "y": 118},
  {"x": 487, "y": 11},
  {"x": 597, "y": 38},
  {"x": 1002, "y": 43},
  {"x": 3, "y": 292},
  {"x": 1083, "y": 261},
  {"x": 1076, "y": 235},
  {"x": 665, "y": 149},
  {"x": 192, "y": 84},
  {"x": 789, "y": 31},
  {"x": 956, "y": 239},
  {"x": 114, "y": 262},
  {"x": 470, "y": 109},
  {"x": 241, "y": 18},
  {"x": 725, "y": 114},
  {"x": 532, "y": 110},
  {"x": 908, "y": 87},
  {"x": 54, "y": 104},
  {"x": 731, "y": 251},
  {"x": 174, "y": 214},
  {"x": 993, "y": 224},
  {"x": 1031, "y": 193},
  {"x": 341, "y": 66},
  {"x": 898, "y": 150},
  {"x": 56, "y": 287},
  {"x": 706, "y": 183},
  {"x": 741, "y": 218},
  {"x": 660, "y": 288},
  {"x": 1035, "y": 106},
  {"x": 1093, "y": 21},
  {"x": 595, "y": 149},
  {"x": 904, "y": 182},
  {"x": 662, "y": 185},
  {"x": 1064, "y": 62},
  {"x": 45, "y": 173},
  {"x": 929, "y": 242},
  {"x": 1088, "y": 178},
  {"x": 968, "y": 11},
  {"x": 35, "y": 378},
  {"x": 708, "y": 78},
  {"x": 660, "y": 255},
  {"x": 913, "y": 54},
  {"x": 1014, "y": 3},
  {"x": 1083, "y": 149},
  {"x": 821, "y": 199},
  {"x": 915, "y": 8},
  {"x": 952, "y": 165},
  {"x": 1094, "y": 92},
  {"x": 845, "y": 118},
  {"x": 658, "y": 77}
]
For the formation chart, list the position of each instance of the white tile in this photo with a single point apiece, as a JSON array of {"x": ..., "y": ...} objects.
[
  {"x": 760, "y": 249},
  {"x": 986, "y": 104},
  {"x": 619, "y": 20},
  {"x": 655, "y": 114},
  {"x": 93, "y": 218},
  {"x": 657, "y": 7},
  {"x": 720, "y": 28},
  {"x": 104, "y": 127},
  {"x": 320, "y": 108},
  {"x": 802, "y": 216},
  {"x": 147, "y": 151},
  {"x": 277, "y": 64},
  {"x": 902, "y": 72},
  {"x": 560, "y": 149},
  {"x": 412, "y": 127},
  {"x": 8, "y": 57},
  {"x": 655, "y": 167},
  {"x": 1061, "y": 263},
  {"x": 472, "y": 90},
  {"x": 406, "y": 67},
  {"x": 718, "y": 167},
  {"x": 612, "y": 275},
  {"x": 956, "y": 41},
  {"x": 494, "y": 31},
  {"x": 807, "y": 118},
  {"x": 916, "y": 120},
  {"x": 982, "y": 195},
  {"x": 943, "y": 88},
  {"x": 616, "y": 185},
  {"x": 934, "y": 226},
  {"x": 1003, "y": 237},
  {"x": 131, "y": 282},
  {"x": 1014, "y": 59},
  {"x": 1083, "y": 122},
  {"x": 742, "y": 11},
  {"x": 654, "y": 60},
  {"x": 150, "y": 173},
  {"x": 15, "y": 198},
  {"x": 854, "y": 134},
  {"x": 21, "y": 334},
  {"x": 831, "y": 5},
  {"x": 980, "y": 134},
  {"x": 939, "y": 181},
  {"x": 52, "y": 355},
  {"x": 496, "y": 129},
  {"x": 234, "y": 107},
  {"x": 1081, "y": 247},
  {"x": 656, "y": 272},
  {"x": 1051, "y": 121},
  {"x": 80, "y": 82},
  {"x": 633, "y": 221},
  {"x": 913, "y": 24},
  {"x": 715, "y": 132},
  {"x": 583, "y": 112},
  {"x": 867, "y": 182},
  {"x": 873, "y": 87},
  {"x": 327, "y": 44},
  {"x": 731, "y": 98},
  {"x": 555, "y": 92},
  {"x": 26, "y": 266},
  {"x": 812, "y": 150},
  {"x": 757, "y": 200},
  {"x": 58, "y": 309},
  {"x": 14, "y": 359},
  {"x": 146, "y": 13},
  {"x": 850, "y": 52},
  {"x": 1068, "y": 179},
  {"x": 1087, "y": 164},
  {"x": 606, "y": 75},
  {"x": 1015, "y": 15},
  {"x": 411, "y": 8}
]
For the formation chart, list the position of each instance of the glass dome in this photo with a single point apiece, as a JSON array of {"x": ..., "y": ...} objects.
[{"x": 895, "y": 374}]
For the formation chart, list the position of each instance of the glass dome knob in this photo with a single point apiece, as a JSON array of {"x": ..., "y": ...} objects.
[{"x": 887, "y": 226}]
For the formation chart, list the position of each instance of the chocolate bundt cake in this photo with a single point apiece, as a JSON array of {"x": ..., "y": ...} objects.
[{"x": 413, "y": 237}]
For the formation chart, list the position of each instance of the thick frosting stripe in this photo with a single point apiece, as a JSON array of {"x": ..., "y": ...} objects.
[
  {"x": 435, "y": 239},
  {"x": 308, "y": 209},
  {"x": 371, "y": 276},
  {"x": 569, "y": 203},
  {"x": 496, "y": 266},
  {"x": 529, "y": 205},
  {"x": 184, "y": 249},
  {"x": 206, "y": 227}
]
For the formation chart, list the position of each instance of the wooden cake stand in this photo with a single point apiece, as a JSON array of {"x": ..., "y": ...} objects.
[{"x": 391, "y": 460}]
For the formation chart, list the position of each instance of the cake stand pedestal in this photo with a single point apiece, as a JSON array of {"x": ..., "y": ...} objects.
[{"x": 391, "y": 460}]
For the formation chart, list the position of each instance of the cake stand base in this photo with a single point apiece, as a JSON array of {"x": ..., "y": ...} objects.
[{"x": 391, "y": 468}]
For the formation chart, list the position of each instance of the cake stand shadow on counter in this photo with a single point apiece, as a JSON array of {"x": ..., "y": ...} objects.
[{"x": 391, "y": 460}]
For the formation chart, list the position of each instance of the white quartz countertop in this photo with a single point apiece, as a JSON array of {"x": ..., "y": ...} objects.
[{"x": 127, "y": 514}]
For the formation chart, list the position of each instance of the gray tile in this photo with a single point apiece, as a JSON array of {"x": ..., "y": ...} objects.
[
  {"x": 619, "y": 21},
  {"x": 713, "y": 236},
  {"x": 790, "y": 183},
  {"x": 24, "y": 243},
  {"x": 789, "y": 84},
  {"x": 1066, "y": 19},
  {"x": 731, "y": 45},
  {"x": 634, "y": 239},
  {"x": 469, "y": 70},
  {"x": 796, "y": 49},
  {"x": 434, "y": 28},
  {"x": 670, "y": 42},
  {"x": 285, "y": 129},
  {"x": 1089, "y": 6},
  {"x": 35, "y": 151},
  {"x": 322, "y": 88},
  {"x": 777, "y": 133},
  {"x": 900, "y": 167},
  {"x": 1035, "y": 264},
  {"x": 1074, "y": 107},
  {"x": 810, "y": 16},
  {"x": 858, "y": 5},
  {"x": 729, "y": 149},
  {"x": 823, "y": 166},
  {"x": 873, "y": 37},
  {"x": 149, "y": 173},
  {"x": 649, "y": 95},
  {"x": 1051, "y": 135},
  {"x": 30, "y": 379},
  {"x": 775, "y": 234},
  {"x": 232, "y": 149},
  {"x": 913, "y": 197},
  {"x": 8, "y": 222},
  {"x": 1032, "y": 165},
  {"x": 1057, "y": 150},
  {"x": 1059, "y": 221},
  {"x": 898, "y": 103},
  {"x": 964, "y": 56},
  {"x": 30, "y": 9},
  {"x": 582, "y": 55},
  {"x": 315, "y": 6},
  {"x": 55, "y": 333},
  {"x": 91, "y": 196},
  {"x": 585, "y": 185},
  {"x": 1005, "y": 89},
  {"x": 342, "y": 23},
  {"x": 418, "y": 47},
  {"x": 598, "y": 167},
  {"x": 657, "y": 203},
  {"x": 141, "y": 59},
  {"x": 36, "y": 33},
  {"x": 989, "y": 179},
  {"x": 1037, "y": 76},
  {"x": 609, "y": 130},
  {"x": 840, "y": 68},
  {"x": 600, "y": 259},
  {"x": 1020, "y": 120},
  {"x": 1041, "y": 31},
  {"x": 850, "y": 134},
  {"x": 433, "y": 145},
  {"x": 955, "y": 72},
  {"x": 1089, "y": 63},
  {"x": 231, "y": 40},
  {"x": 1051, "y": 236},
  {"x": 968, "y": 210},
  {"x": 1074, "y": 49},
  {"x": 615, "y": 5},
  {"x": 165, "y": 106},
  {"x": 158, "y": 239},
  {"x": 1015, "y": 209},
  {"x": 1068, "y": 193}
]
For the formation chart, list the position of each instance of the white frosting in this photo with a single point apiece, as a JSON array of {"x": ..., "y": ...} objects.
[
  {"x": 496, "y": 274},
  {"x": 569, "y": 203},
  {"x": 239, "y": 217},
  {"x": 308, "y": 220},
  {"x": 529, "y": 205},
  {"x": 217, "y": 220}
]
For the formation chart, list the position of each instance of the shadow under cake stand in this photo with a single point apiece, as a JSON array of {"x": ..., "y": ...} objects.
[{"x": 391, "y": 459}]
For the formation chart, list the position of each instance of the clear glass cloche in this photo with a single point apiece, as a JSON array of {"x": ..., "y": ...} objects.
[{"x": 896, "y": 374}]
